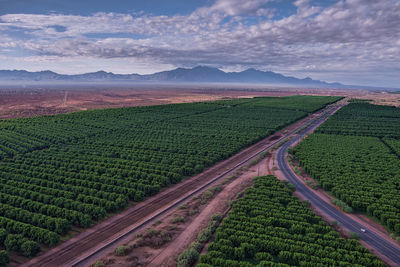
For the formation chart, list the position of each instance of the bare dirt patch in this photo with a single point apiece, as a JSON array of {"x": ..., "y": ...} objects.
[
  {"x": 185, "y": 232},
  {"x": 48, "y": 102},
  {"x": 185, "y": 223},
  {"x": 34, "y": 102}
]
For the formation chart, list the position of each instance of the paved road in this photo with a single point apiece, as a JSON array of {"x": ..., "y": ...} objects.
[
  {"x": 93, "y": 242},
  {"x": 378, "y": 243}
]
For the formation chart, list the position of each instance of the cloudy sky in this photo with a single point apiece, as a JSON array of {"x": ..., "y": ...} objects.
[{"x": 349, "y": 41}]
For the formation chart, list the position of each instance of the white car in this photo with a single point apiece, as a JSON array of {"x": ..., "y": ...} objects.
[{"x": 363, "y": 230}]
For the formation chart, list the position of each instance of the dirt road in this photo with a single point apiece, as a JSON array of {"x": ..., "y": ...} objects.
[{"x": 80, "y": 249}]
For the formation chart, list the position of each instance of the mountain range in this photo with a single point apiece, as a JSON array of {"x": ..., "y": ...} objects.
[{"x": 198, "y": 74}]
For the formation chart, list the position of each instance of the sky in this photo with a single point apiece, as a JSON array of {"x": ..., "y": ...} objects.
[{"x": 347, "y": 41}]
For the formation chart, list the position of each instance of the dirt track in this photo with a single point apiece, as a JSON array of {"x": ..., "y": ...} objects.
[
  {"x": 34, "y": 102},
  {"x": 49, "y": 102},
  {"x": 79, "y": 247}
]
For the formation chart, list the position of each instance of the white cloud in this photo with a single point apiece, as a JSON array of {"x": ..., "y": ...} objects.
[
  {"x": 237, "y": 7},
  {"x": 349, "y": 36}
]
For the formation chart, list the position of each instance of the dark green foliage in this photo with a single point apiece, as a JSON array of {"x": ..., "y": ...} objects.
[
  {"x": 3, "y": 235},
  {"x": 393, "y": 144},
  {"x": 364, "y": 119},
  {"x": 188, "y": 258},
  {"x": 121, "y": 250},
  {"x": 361, "y": 171},
  {"x": 271, "y": 227},
  {"x": 13, "y": 242},
  {"x": 354, "y": 236},
  {"x": 30, "y": 248},
  {"x": 73, "y": 169},
  {"x": 4, "y": 258},
  {"x": 297, "y": 102}
]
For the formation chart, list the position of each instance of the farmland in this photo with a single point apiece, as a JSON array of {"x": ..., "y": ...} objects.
[
  {"x": 271, "y": 227},
  {"x": 355, "y": 157},
  {"x": 64, "y": 171},
  {"x": 363, "y": 119}
]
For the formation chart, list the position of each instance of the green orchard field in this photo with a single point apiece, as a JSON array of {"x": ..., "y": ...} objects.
[
  {"x": 73, "y": 169},
  {"x": 355, "y": 155},
  {"x": 269, "y": 226}
]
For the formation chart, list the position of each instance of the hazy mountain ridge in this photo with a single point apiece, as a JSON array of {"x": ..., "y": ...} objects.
[{"x": 197, "y": 74}]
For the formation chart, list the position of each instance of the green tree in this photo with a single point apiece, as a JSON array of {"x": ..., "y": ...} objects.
[
  {"x": 13, "y": 242},
  {"x": 3, "y": 235},
  {"x": 30, "y": 248},
  {"x": 4, "y": 258}
]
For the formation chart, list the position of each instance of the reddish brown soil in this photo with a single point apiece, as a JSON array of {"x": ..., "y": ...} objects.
[
  {"x": 46, "y": 102},
  {"x": 85, "y": 242},
  {"x": 51, "y": 102},
  {"x": 196, "y": 217},
  {"x": 167, "y": 255}
]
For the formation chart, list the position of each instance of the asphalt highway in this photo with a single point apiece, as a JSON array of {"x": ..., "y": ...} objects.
[{"x": 378, "y": 243}]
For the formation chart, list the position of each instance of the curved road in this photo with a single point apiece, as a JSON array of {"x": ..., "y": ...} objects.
[
  {"x": 87, "y": 246},
  {"x": 378, "y": 243}
]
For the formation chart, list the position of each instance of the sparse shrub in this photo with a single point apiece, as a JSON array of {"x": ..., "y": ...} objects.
[
  {"x": 342, "y": 205},
  {"x": 297, "y": 170},
  {"x": 183, "y": 206},
  {"x": 172, "y": 227},
  {"x": 150, "y": 232},
  {"x": 188, "y": 257},
  {"x": 314, "y": 185},
  {"x": 132, "y": 246},
  {"x": 165, "y": 237},
  {"x": 197, "y": 246},
  {"x": 121, "y": 250},
  {"x": 216, "y": 217},
  {"x": 178, "y": 219},
  {"x": 348, "y": 209},
  {"x": 354, "y": 236},
  {"x": 217, "y": 189},
  {"x": 207, "y": 195},
  {"x": 204, "y": 235},
  {"x": 99, "y": 263},
  {"x": 193, "y": 212}
]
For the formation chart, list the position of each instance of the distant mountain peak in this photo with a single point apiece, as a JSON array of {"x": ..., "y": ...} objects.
[
  {"x": 200, "y": 67},
  {"x": 198, "y": 74}
]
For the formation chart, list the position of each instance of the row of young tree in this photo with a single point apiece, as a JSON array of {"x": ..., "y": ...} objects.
[
  {"x": 355, "y": 156},
  {"x": 268, "y": 226},
  {"x": 71, "y": 128},
  {"x": 34, "y": 233},
  {"x": 78, "y": 167},
  {"x": 16, "y": 243},
  {"x": 361, "y": 171},
  {"x": 364, "y": 119},
  {"x": 298, "y": 102},
  {"x": 393, "y": 144},
  {"x": 13, "y": 143}
]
